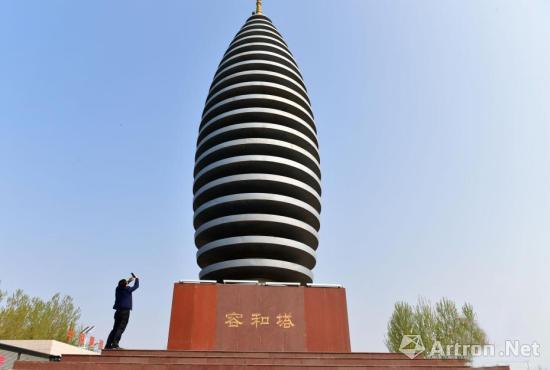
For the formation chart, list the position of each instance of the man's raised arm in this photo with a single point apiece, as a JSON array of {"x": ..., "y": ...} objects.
[{"x": 135, "y": 286}]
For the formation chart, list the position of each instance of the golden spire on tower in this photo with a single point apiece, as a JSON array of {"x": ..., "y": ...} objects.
[{"x": 258, "y": 6}]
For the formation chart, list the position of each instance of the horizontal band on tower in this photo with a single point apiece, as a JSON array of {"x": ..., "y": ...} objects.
[
  {"x": 264, "y": 269},
  {"x": 255, "y": 246},
  {"x": 259, "y": 183},
  {"x": 264, "y": 224},
  {"x": 258, "y": 87},
  {"x": 257, "y": 146},
  {"x": 258, "y": 64},
  {"x": 244, "y": 203},
  {"x": 257, "y": 130},
  {"x": 262, "y": 55},
  {"x": 257, "y": 75},
  {"x": 248, "y": 38},
  {"x": 251, "y": 114},
  {"x": 259, "y": 101},
  {"x": 257, "y": 164}
]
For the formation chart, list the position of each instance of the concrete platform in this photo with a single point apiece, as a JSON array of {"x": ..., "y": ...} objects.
[{"x": 179, "y": 360}]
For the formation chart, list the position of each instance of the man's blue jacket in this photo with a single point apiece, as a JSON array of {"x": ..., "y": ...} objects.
[{"x": 123, "y": 296}]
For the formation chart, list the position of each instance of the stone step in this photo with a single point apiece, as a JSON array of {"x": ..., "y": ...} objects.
[
  {"x": 32, "y": 365},
  {"x": 162, "y": 353},
  {"x": 263, "y": 359}
]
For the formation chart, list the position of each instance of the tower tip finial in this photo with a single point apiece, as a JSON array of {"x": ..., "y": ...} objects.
[{"x": 258, "y": 6}]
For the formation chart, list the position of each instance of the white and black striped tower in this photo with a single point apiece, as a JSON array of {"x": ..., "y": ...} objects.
[{"x": 257, "y": 188}]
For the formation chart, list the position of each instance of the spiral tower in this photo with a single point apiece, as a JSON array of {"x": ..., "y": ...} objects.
[{"x": 257, "y": 177}]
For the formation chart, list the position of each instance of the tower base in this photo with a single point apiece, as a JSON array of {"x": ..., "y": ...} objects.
[
  {"x": 240, "y": 317},
  {"x": 220, "y": 326},
  {"x": 219, "y": 360}
]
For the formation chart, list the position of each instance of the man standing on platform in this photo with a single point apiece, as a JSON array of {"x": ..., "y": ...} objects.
[{"x": 123, "y": 306}]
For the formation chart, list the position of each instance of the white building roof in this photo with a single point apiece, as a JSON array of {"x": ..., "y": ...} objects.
[{"x": 49, "y": 347}]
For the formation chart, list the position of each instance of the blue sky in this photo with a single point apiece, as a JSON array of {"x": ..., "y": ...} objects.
[{"x": 434, "y": 127}]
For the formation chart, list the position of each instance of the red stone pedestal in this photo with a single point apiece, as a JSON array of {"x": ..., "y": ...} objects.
[{"x": 237, "y": 317}]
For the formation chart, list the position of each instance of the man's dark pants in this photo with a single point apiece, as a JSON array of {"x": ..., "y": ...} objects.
[{"x": 121, "y": 320}]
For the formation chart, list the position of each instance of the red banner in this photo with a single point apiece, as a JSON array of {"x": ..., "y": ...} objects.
[
  {"x": 70, "y": 334},
  {"x": 81, "y": 339}
]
